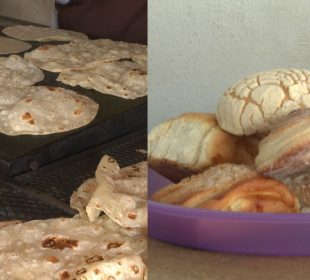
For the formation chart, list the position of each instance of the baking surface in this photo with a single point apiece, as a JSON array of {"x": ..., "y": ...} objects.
[
  {"x": 109, "y": 106},
  {"x": 169, "y": 262},
  {"x": 45, "y": 193},
  {"x": 116, "y": 117}
]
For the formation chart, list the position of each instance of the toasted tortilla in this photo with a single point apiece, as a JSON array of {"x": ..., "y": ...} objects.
[
  {"x": 67, "y": 248},
  {"x": 119, "y": 193},
  {"x": 84, "y": 54},
  {"x": 15, "y": 71},
  {"x": 9, "y": 45},
  {"x": 41, "y": 34},
  {"x": 137, "y": 235},
  {"x": 43, "y": 110},
  {"x": 4, "y": 224},
  {"x": 122, "y": 78}
]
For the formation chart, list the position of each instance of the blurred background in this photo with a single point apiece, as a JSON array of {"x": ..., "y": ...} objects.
[
  {"x": 197, "y": 49},
  {"x": 37, "y": 11}
]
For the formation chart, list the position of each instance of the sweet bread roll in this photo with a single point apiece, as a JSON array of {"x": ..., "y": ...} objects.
[
  {"x": 230, "y": 187},
  {"x": 255, "y": 195},
  {"x": 219, "y": 177},
  {"x": 255, "y": 103},
  {"x": 300, "y": 185},
  {"x": 286, "y": 150},
  {"x": 285, "y": 154},
  {"x": 189, "y": 144},
  {"x": 247, "y": 150}
]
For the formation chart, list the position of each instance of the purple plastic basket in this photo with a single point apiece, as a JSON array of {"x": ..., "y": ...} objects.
[{"x": 249, "y": 233}]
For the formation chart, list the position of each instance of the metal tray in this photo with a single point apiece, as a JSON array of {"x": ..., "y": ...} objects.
[
  {"x": 116, "y": 117},
  {"x": 45, "y": 193}
]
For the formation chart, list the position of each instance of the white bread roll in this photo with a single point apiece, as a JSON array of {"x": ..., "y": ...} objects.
[
  {"x": 189, "y": 144},
  {"x": 255, "y": 103}
]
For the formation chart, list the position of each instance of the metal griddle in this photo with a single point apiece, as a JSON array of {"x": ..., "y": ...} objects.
[
  {"x": 116, "y": 117},
  {"x": 45, "y": 193}
]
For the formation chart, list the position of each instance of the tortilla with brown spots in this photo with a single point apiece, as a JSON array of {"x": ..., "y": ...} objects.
[
  {"x": 43, "y": 110},
  {"x": 66, "y": 248}
]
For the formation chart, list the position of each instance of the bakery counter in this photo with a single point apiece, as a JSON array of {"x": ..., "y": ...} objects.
[{"x": 169, "y": 262}]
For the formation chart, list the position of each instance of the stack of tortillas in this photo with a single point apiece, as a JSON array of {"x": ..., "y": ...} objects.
[
  {"x": 41, "y": 34},
  {"x": 75, "y": 248},
  {"x": 43, "y": 110},
  {"x": 120, "y": 193},
  {"x": 110, "y": 67},
  {"x": 33, "y": 33}
]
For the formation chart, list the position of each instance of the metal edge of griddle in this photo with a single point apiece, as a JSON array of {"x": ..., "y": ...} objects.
[
  {"x": 40, "y": 196},
  {"x": 79, "y": 156},
  {"x": 98, "y": 134},
  {"x": 22, "y": 187},
  {"x": 9, "y": 21}
]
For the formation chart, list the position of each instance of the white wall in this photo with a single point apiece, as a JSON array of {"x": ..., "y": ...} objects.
[{"x": 198, "y": 48}]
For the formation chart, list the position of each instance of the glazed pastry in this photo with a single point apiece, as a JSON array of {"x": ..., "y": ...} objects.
[
  {"x": 189, "y": 144},
  {"x": 255, "y": 195},
  {"x": 230, "y": 187}
]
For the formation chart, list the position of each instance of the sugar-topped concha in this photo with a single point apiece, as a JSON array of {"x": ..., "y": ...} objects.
[{"x": 255, "y": 103}]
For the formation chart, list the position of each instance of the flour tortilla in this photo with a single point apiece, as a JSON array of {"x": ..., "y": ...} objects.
[
  {"x": 83, "y": 54},
  {"x": 9, "y": 45},
  {"x": 137, "y": 237},
  {"x": 43, "y": 110},
  {"x": 120, "y": 193},
  {"x": 123, "y": 78},
  {"x": 4, "y": 224},
  {"x": 80, "y": 198},
  {"x": 15, "y": 71},
  {"x": 66, "y": 249},
  {"x": 41, "y": 34},
  {"x": 140, "y": 59}
]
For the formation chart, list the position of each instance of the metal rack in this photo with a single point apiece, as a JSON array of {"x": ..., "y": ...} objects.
[{"x": 45, "y": 193}]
